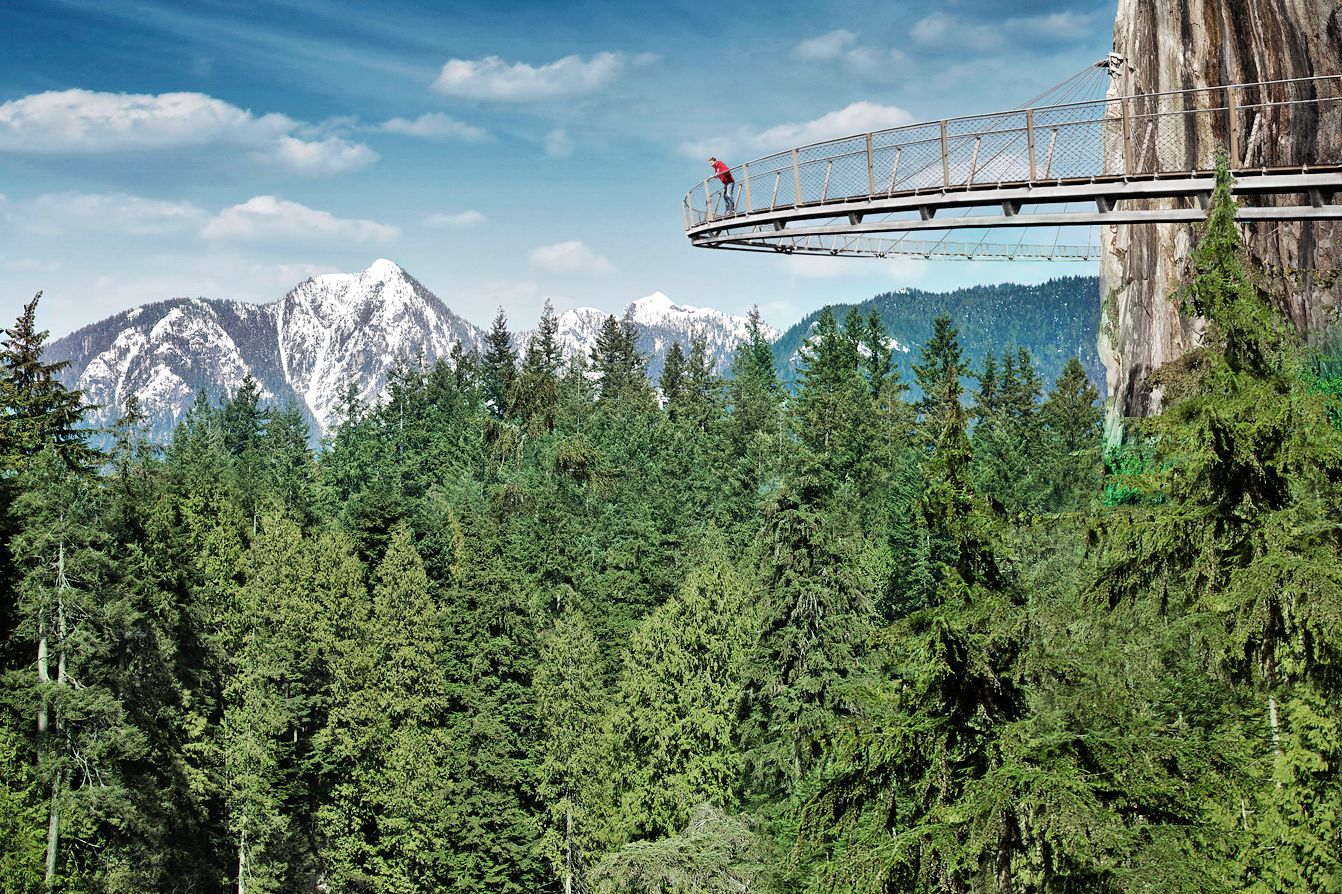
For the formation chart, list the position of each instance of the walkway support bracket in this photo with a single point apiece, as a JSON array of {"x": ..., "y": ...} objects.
[
  {"x": 871, "y": 169},
  {"x": 945, "y": 158},
  {"x": 1029, "y": 133}
]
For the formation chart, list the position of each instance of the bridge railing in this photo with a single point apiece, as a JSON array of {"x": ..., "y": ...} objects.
[{"x": 1287, "y": 124}]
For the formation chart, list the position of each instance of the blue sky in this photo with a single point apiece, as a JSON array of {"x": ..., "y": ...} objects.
[{"x": 502, "y": 152}]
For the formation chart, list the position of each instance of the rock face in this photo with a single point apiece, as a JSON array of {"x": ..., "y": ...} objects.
[
  {"x": 1170, "y": 45},
  {"x": 661, "y": 323},
  {"x": 328, "y": 332}
]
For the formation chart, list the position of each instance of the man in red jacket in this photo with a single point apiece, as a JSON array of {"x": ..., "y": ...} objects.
[{"x": 725, "y": 175}]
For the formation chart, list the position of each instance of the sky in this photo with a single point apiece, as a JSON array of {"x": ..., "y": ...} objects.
[{"x": 502, "y": 152}]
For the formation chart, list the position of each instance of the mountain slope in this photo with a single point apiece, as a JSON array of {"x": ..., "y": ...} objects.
[
  {"x": 1055, "y": 320},
  {"x": 305, "y": 348},
  {"x": 661, "y": 323},
  {"x": 326, "y": 333}
]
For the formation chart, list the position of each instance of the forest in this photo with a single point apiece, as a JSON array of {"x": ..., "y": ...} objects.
[{"x": 531, "y": 624}]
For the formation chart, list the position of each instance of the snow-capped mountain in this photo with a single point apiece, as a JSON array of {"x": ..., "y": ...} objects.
[
  {"x": 353, "y": 327},
  {"x": 327, "y": 332},
  {"x": 661, "y": 323}
]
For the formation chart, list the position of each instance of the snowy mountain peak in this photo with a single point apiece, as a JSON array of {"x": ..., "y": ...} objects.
[
  {"x": 657, "y": 307},
  {"x": 326, "y": 333},
  {"x": 383, "y": 270},
  {"x": 661, "y": 323}
]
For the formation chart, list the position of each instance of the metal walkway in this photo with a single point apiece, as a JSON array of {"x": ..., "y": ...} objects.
[{"x": 1078, "y": 164}]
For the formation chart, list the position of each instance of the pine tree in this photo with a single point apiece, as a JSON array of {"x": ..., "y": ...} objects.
[
  {"x": 499, "y": 366},
  {"x": 906, "y": 801},
  {"x": 988, "y": 399},
  {"x": 82, "y": 737},
  {"x": 1071, "y": 417},
  {"x": 677, "y": 697},
  {"x": 672, "y": 381},
  {"x": 535, "y": 394},
  {"x": 619, "y": 366},
  {"x": 938, "y": 372},
  {"x": 1240, "y": 524},
  {"x": 817, "y": 614},
  {"x": 385, "y": 736},
  {"x": 573, "y": 772},
  {"x": 36, "y": 410}
]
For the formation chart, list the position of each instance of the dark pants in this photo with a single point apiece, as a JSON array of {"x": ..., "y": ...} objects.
[{"x": 727, "y": 188}]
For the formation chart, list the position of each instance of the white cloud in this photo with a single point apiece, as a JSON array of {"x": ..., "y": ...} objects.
[
  {"x": 558, "y": 144},
  {"x": 941, "y": 30},
  {"x": 825, "y": 47},
  {"x": 288, "y": 274},
  {"x": 59, "y": 214},
  {"x": 570, "y": 257},
  {"x": 859, "y": 117},
  {"x": 267, "y": 218},
  {"x": 319, "y": 158},
  {"x": 468, "y": 218},
  {"x": 874, "y": 64},
  {"x": 436, "y": 125},
  {"x": 30, "y": 265},
  {"x": 492, "y": 78},
  {"x": 89, "y": 122}
]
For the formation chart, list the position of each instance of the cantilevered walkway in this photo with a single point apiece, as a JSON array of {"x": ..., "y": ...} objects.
[{"x": 937, "y": 189}]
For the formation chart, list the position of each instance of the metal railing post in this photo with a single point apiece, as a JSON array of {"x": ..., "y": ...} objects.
[
  {"x": 945, "y": 159},
  {"x": 685, "y": 205},
  {"x": 1029, "y": 138},
  {"x": 1126, "y": 112},
  {"x": 871, "y": 169},
  {"x": 745, "y": 176},
  {"x": 796, "y": 179},
  {"x": 1234, "y": 137}
]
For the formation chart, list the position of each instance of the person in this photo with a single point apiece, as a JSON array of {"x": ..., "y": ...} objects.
[{"x": 725, "y": 175}]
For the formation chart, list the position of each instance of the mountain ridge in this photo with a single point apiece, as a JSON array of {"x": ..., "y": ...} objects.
[{"x": 326, "y": 332}]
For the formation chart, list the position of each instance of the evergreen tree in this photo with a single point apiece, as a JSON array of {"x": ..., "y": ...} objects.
[
  {"x": 907, "y": 801},
  {"x": 988, "y": 398},
  {"x": 535, "y": 394},
  {"x": 677, "y": 697},
  {"x": 36, "y": 410},
  {"x": 1071, "y": 417},
  {"x": 938, "y": 372},
  {"x": 1239, "y": 523},
  {"x": 672, "y": 381},
  {"x": 619, "y": 366},
  {"x": 387, "y": 743},
  {"x": 499, "y": 366},
  {"x": 811, "y": 644},
  {"x": 573, "y": 768}
]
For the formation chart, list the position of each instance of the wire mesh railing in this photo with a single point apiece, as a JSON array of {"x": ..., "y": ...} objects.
[{"x": 1272, "y": 125}]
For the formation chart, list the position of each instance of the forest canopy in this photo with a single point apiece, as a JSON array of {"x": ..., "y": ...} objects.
[{"x": 541, "y": 624}]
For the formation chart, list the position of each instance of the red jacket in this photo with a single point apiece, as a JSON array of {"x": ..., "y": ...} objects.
[{"x": 724, "y": 172}]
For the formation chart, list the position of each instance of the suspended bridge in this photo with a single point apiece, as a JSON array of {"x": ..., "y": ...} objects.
[{"x": 943, "y": 188}]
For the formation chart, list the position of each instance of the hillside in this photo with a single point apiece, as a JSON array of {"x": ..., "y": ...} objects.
[{"x": 1055, "y": 320}]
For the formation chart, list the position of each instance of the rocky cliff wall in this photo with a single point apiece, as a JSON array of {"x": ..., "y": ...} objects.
[{"x": 1189, "y": 44}]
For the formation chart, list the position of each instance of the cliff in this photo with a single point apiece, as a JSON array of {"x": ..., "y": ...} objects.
[{"x": 1171, "y": 45}]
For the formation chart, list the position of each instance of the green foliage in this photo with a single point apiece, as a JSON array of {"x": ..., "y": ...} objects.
[
  {"x": 677, "y": 698},
  {"x": 716, "y": 853},
  {"x": 517, "y": 627}
]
